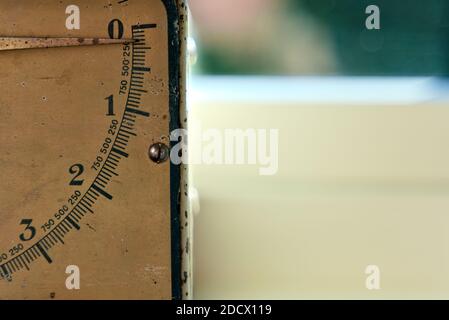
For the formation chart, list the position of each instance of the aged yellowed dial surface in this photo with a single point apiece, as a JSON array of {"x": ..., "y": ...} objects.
[{"x": 84, "y": 211}]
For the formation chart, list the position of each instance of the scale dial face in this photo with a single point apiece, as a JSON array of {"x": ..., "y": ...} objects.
[{"x": 84, "y": 212}]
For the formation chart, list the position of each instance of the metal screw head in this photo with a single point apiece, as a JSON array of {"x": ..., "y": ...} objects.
[{"x": 159, "y": 152}]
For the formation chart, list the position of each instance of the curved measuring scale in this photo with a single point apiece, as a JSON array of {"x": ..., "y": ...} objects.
[{"x": 81, "y": 198}]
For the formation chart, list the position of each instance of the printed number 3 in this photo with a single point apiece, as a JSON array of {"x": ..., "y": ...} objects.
[{"x": 29, "y": 228}]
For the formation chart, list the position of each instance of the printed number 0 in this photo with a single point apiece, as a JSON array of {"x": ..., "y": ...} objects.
[
  {"x": 111, "y": 28},
  {"x": 29, "y": 228}
]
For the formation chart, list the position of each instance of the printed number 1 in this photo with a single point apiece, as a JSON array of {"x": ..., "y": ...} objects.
[{"x": 110, "y": 105}]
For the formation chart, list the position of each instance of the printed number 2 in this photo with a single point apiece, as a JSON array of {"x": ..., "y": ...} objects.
[
  {"x": 30, "y": 228},
  {"x": 77, "y": 170}
]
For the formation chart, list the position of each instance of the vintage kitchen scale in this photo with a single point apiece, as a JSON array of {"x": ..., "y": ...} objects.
[{"x": 91, "y": 207}]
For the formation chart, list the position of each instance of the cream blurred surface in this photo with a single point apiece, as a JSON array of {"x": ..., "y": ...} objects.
[{"x": 363, "y": 180}]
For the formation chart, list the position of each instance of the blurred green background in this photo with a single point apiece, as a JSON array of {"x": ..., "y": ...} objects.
[
  {"x": 321, "y": 37},
  {"x": 363, "y": 176}
]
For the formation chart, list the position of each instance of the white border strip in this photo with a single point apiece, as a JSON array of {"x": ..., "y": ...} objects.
[{"x": 318, "y": 90}]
